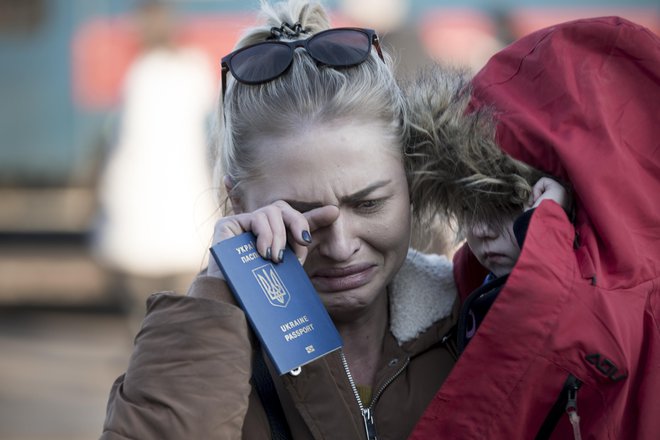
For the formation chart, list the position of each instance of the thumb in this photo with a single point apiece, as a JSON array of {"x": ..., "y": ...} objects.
[{"x": 300, "y": 251}]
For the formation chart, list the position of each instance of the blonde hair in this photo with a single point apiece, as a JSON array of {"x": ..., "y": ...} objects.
[
  {"x": 306, "y": 95},
  {"x": 458, "y": 171}
]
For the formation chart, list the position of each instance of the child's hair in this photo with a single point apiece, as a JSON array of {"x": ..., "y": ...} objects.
[
  {"x": 458, "y": 171},
  {"x": 306, "y": 95}
]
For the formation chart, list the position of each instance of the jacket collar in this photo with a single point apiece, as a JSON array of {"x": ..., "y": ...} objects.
[{"x": 422, "y": 293}]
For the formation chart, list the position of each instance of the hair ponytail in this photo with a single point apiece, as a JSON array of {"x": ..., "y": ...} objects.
[{"x": 310, "y": 14}]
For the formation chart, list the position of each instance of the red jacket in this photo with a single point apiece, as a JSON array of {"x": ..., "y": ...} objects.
[{"x": 581, "y": 101}]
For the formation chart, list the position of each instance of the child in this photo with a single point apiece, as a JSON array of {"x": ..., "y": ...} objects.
[
  {"x": 577, "y": 320},
  {"x": 497, "y": 246}
]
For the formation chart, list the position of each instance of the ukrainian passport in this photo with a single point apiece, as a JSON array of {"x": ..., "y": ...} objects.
[{"x": 279, "y": 301}]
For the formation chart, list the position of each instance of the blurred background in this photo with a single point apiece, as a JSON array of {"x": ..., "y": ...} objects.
[{"x": 105, "y": 195}]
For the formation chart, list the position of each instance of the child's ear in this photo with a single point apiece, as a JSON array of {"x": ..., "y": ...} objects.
[{"x": 233, "y": 198}]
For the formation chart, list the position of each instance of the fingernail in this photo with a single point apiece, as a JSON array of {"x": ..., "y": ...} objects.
[
  {"x": 306, "y": 236},
  {"x": 280, "y": 256},
  {"x": 268, "y": 254}
]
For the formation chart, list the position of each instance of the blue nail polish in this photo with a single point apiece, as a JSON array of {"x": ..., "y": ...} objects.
[
  {"x": 280, "y": 256},
  {"x": 306, "y": 236}
]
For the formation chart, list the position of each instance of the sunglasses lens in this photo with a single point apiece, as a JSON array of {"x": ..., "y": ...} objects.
[
  {"x": 260, "y": 63},
  {"x": 340, "y": 48}
]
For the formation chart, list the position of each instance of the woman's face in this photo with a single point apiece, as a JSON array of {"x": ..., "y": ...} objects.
[{"x": 355, "y": 167}]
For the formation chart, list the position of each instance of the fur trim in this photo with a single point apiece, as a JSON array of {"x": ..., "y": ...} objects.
[
  {"x": 457, "y": 169},
  {"x": 422, "y": 293}
]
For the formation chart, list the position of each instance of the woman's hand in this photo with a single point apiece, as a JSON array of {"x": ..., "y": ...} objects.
[
  {"x": 547, "y": 188},
  {"x": 274, "y": 225}
]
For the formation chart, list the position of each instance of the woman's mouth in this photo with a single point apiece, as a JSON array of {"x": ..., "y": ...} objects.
[{"x": 335, "y": 279}]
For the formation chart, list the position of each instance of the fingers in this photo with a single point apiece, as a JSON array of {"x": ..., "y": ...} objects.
[
  {"x": 315, "y": 219},
  {"x": 547, "y": 188},
  {"x": 321, "y": 217},
  {"x": 302, "y": 226},
  {"x": 225, "y": 228},
  {"x": 539, "y": 188},
  {"x": 228, "y": 227},
  {"x": 274, "y": 225}
]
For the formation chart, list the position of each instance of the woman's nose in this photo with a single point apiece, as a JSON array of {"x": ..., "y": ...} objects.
[{"x": 339, "y": 241}]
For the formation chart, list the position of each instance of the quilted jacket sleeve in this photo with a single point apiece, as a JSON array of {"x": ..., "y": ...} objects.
[{"x": 188, "y": 376}]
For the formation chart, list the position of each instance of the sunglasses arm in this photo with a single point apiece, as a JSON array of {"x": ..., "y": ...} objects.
[
  {"x": 225, "y": 69},
  {"x": 376, "y": 43}
]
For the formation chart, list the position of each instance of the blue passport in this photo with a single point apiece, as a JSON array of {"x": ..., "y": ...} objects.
[{"x": 279, "y": 301}]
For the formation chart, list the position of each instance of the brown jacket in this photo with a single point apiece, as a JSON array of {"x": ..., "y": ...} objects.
[{"x": 189, "y": 374}]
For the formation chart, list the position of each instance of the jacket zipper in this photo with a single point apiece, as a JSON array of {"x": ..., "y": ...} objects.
[
  {"x": 367, "y": 413},
  {"x": 571, "y": 409},
  {"x": 566, "y": 403}
]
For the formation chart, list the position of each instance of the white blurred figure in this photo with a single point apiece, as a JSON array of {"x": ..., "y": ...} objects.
[{"x": 157, "y": 204}]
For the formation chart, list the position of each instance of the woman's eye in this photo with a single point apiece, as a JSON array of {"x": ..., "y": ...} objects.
[{"x": 370, "y": 205}]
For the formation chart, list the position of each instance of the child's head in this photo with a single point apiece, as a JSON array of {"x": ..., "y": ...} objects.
[
  {"x": 459, "y": 172},
  {"x": 494, "y": 245}
]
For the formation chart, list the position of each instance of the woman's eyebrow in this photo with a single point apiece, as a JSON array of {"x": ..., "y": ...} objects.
[
  {"x": 360, "y": 195},
  {"x": 351, "y": 198}
]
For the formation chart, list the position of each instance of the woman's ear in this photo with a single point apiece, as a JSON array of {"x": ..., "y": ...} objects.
[{"x": 233, "y": 198}]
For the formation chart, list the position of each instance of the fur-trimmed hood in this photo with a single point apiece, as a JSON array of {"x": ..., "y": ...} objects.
[{"x": 456, "y": 168}]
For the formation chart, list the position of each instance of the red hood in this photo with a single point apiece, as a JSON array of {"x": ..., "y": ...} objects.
[{"x": 581, "y": 101}]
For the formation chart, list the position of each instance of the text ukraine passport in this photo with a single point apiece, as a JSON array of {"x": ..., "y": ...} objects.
[{"x": 280, "y": 302}]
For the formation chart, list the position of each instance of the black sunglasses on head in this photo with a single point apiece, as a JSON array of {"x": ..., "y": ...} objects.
[{"x": 263, "y": 62}]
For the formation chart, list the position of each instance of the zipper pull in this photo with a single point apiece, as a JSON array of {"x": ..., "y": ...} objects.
[
  {"x": 369, "y": 426},
  {"x": 571, "y": 410}
]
